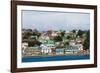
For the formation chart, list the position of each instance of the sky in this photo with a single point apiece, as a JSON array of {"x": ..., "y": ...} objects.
[{"x": 50, "y": 20}]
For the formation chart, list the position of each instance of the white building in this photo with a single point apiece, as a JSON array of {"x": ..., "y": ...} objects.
[
  {"x": 54, "y": 34},
  {"x": 45, "y": 48},
  {"x": 59, "y": 51},
  {"x": 78, "y": 44},
  {"x": 80, "y": 47},
  {"x": 24, "y": 46},
  {"x": 72, "y": 43}
]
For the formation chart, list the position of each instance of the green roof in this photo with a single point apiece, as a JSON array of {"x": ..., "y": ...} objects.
[
  {"x": 33, "y": 37},
  {"x": 50, "y": 41}
]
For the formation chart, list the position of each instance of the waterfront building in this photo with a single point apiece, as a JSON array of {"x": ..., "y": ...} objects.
[
  {"x": 59, "y": 51},
  {"x": 72, "y": 50},
  {"x": 47, "y": 47}
]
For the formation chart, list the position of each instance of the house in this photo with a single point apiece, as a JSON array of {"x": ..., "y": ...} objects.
[
  {"x": 67, "y": 33},
  {"x": 59, "y": 51},
  {"x": 24, "y": 47},
  {"x": 33, "y": 37},
  {"x": 43, "y": 41},
  {"x": 57, "y": 43},
  {"x": 72, "y": 50},
  {"x": 54, "y": 34},
  {"x": 35, "y": 50},
  {"x": 72, "y": 42},
  {"x": 44, "y": 37},
  {"x": 32, "y": 51},
  {"x": 65, "y": 40},
  {"x": 80, "y": 47},
  {"x": 75, "y": 47},
  {"x": 47, "y": 47}
]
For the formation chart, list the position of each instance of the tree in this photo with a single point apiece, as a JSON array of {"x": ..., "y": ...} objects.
[
  {"x": 49, "y": 32},
  {"x": 35, "y": 32},
  {"x": 62, "y": 33},
  {"x": 26, "y": 35},
  {"x": 58, "y": 39},
  {"x": 80, "y": 33},
  {"x": 74, "y": 31},
  {"x": 68, "y": 37},
  {"x": 38, "y": 34},
  {"x": 29, "y": 30},
  {"x": 86, "y": 43},
  {"x": 33, "y": 43}
]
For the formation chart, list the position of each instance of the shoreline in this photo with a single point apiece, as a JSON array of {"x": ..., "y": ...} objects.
[{"x": 56, "y": 55}]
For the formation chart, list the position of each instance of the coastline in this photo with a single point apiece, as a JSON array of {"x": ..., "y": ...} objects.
[
  {"x": 53, "y": 55},
  {"x": 56, "y": 55}
]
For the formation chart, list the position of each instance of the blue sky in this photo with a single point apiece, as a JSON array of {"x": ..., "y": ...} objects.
[{"x": 50, "y": 20}]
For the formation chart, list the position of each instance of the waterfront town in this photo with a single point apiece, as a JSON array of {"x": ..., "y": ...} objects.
[{"x": 54, "y": 43}]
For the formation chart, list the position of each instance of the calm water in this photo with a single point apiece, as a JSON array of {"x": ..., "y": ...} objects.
[{"x": 54, "y": 58}]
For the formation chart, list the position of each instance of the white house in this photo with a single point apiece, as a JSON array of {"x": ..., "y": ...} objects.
[
  {"x": 24, "y": 47},
  {"x": 80, "y": 47},
  {"x": 77, "y": 44},
  {"x": 44, "y": 37},
  {"x": 72, "y": 49},
  {"x": 45, "y": 48},
  {"x": 54, "y": 34},
  {"x": 72, "y": 42}
]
